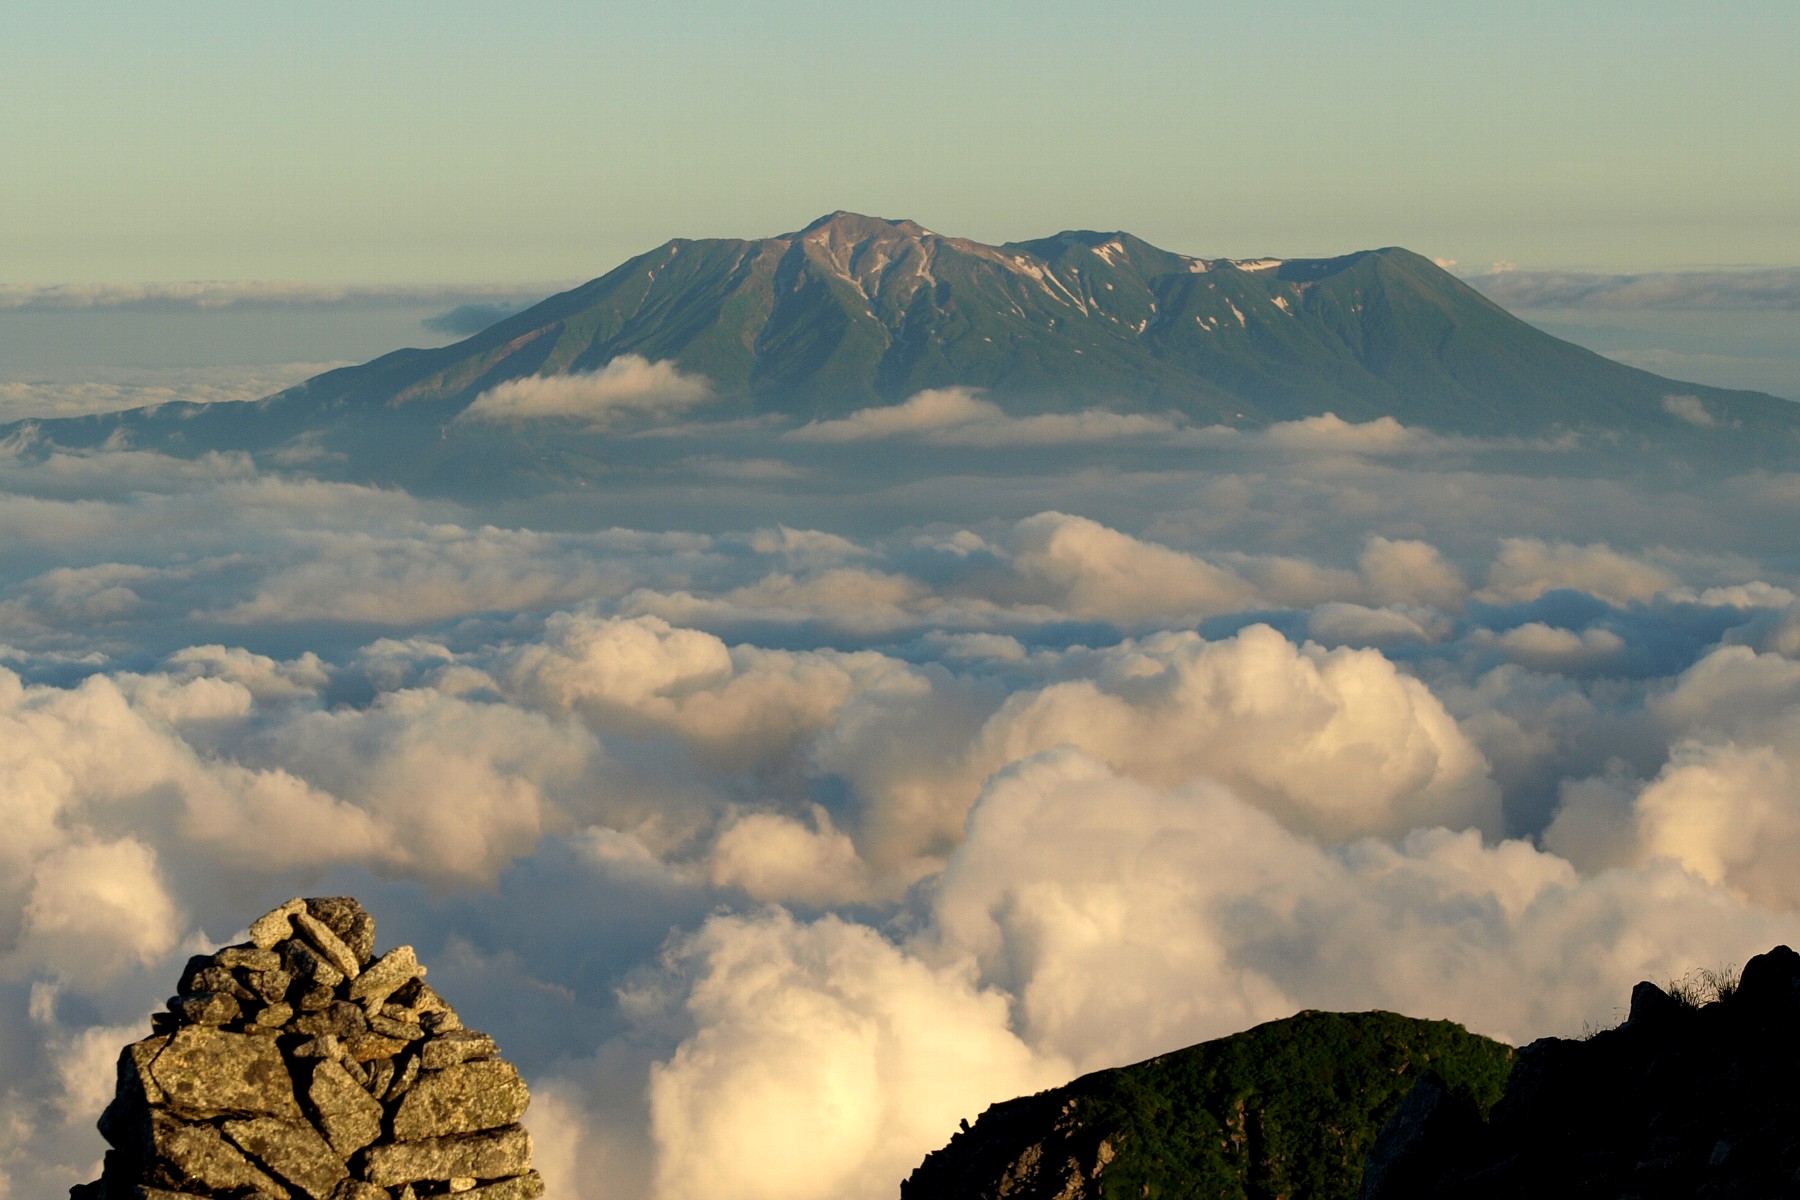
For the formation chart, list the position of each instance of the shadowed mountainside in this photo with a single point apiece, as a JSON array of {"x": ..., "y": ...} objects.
[
  {"x": 1684, "y": 1100},
  {"x": 1289, "y": 1108}
]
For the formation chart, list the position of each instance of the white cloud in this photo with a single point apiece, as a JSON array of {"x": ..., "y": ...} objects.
[
  {"x": 1127, "y": 920},
  {"x": 1528, "y": 567},
  {"x": 1340, "y": 624},
  {"x": 1083, "y": 567},
  {"x": 1335, "y": 742},
  {"x": 1691, "y": 409},
  {"x": 776, "y": 858},
  {"x": 1407, "y": 571},
  {"x": 825, "y": 1062},
  {"x": 736, "y": 705},
  {"x": 936, "y": 408},
  {"x": 961, "y": 417},
  {"x": 1549, "y": 648},
  {"x": 93, "y": 908},
  {"x": 628, "y": 386}
]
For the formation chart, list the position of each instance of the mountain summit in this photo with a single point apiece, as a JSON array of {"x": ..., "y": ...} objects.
[{"x": 854, "y": 311}]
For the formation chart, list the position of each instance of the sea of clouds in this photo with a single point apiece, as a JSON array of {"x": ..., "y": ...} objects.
[{"x": 791, "y": 795}]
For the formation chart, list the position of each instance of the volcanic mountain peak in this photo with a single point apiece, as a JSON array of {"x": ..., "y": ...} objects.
[{"x": 854, "y": 311}]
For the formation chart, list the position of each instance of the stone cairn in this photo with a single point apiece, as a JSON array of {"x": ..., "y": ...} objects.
[{"x": 298, "y": 1065}]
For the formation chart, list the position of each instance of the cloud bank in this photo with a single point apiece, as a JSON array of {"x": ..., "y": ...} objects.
[
  {"x": 1769, "y": 289},
  {"x": 787, "y": 799}
]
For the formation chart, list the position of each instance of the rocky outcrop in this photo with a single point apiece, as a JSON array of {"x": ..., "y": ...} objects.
[
  {"x": 1289, "y": 1108},
  {"x": 1686, "y": 1099},
  {"x": 300, "y": 1066}
]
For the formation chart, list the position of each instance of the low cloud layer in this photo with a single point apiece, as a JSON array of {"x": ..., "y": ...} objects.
[
  {"x": 788, "y": 797},
  {"x": 221, "y": 294},
  {"x": 628, "y": 385},
  {"x": 1768, "y": 289}
]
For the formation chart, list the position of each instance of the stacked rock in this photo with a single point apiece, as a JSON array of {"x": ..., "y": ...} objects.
[{"x": 299, "y": 1065}]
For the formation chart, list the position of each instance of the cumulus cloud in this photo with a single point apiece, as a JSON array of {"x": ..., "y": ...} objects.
[
  {"x": 961, "y": 417},
  {"x": 1086, "y": 568},
  {"x": 1409, "y": 571},
  {"x": 628, "y": 386},
  {"x": 1335, "y": 742},
  {"x": 824, "y": 1063},
  {"x": 1550, "y": 648},
  {"x": 1126, "y": 920},
  {"x": 1528, "y": 567},
  {"x": 1089, "y": 920},
  {"x": 736, "y": 705},
  {"x": 1051, "y": 769}
]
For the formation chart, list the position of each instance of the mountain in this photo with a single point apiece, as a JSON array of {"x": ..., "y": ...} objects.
[
  {"x": 1692, "y": 1097},
  {"x": 1289, "y": 1108},
  {"x": 853, "y": 311}
]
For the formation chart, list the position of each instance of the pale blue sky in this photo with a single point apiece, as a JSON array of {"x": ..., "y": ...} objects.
[{"x": 406, "y": 142}]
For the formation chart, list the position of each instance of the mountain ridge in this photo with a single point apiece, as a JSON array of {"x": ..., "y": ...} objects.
[{"x": 851, "y": 312}]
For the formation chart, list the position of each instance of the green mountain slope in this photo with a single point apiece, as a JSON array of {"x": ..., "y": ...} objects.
[
  {"x": 853, "y": 311},
  {"x": 1285, "y": 1109}
]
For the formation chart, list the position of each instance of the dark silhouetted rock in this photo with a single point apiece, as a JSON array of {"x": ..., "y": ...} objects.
[
  {"x": 289, "y": 1068},
  {"x": 1685, "y": 1099}
]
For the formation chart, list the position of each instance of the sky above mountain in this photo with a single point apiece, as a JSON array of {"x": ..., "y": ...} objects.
[{"x": 412, "y": 142}]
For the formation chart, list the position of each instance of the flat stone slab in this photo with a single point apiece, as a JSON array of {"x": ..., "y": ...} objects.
[
  {"x": 528, "y": 1186},
  {"x": 465, "y": 1098},
  {"x": 385, "y": 976},
  {"x": 458, "y": 1045},
  {"x": 293, "y": 1150},
  {"x": 276, "y": 924},
  {"x": 209, "y": 1071},
  {"x": 496, "y": 1154},
  {"x": 183, "y": 1154},
  {"x": 349, "y": 1117}
]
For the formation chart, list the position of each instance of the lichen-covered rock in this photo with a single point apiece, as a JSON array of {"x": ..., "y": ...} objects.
[
  {"x": 300, "y": 1066},
  {"x": 494, "y": 1154},
  {"x": 347, "y": 1115},
  {"x": 528, "y": 1186},
  {"x": 465, "y": 1098},
  {"x": 458, "y": 1045},
  {"x": 211, "y": 1072},
  {"x": 197, "y": 1157},
  {"x": 385, "y": 977},
  {"x": 292, "y": 1150}
]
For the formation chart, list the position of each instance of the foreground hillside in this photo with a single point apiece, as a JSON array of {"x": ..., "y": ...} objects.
[{"x": 1286, "y": 1109}]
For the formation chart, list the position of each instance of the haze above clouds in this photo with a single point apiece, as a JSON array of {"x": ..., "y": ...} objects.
[{"x": 819, "y": 785}]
